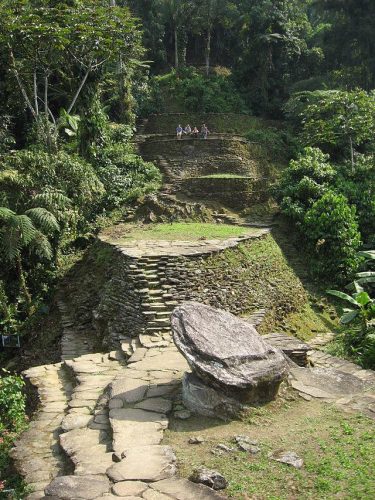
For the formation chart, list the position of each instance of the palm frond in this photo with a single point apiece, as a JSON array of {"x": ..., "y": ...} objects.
[
  {"x": 43, "y": 220},
  {"x": 24, "y": 226}
]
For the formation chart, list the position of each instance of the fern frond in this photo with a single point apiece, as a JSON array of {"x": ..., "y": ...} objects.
[
  {"x": 43, "y": 220},
  {"x": 10, "y": 244},
  {"x": 51, "y": 200},
  {"x": 6, "y": 213},
  {"x": 40, "y": 246}
]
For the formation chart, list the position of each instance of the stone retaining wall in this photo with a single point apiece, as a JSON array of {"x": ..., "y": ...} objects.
[
  {"x": 233, "y": 192},
  {"x": 142, "y": 292},
  {"x": 197, "y": 157}
]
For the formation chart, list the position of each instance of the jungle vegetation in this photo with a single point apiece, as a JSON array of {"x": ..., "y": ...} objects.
[{"x": 75, "y": 75}]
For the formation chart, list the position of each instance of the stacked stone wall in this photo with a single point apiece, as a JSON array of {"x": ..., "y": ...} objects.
[
  {"x": 197, "y": 157},
  {"x": 142, "y": 292},
  {"x": 237, "y": 193}
]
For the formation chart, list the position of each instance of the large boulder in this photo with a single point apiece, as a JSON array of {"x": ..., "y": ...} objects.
[{"x": 227, "y": 354}]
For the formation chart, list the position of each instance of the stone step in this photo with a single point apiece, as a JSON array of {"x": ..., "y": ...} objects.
[
  {"x": 150, "y": 276},
  {"x": 156, "y": 306},
  {"x": 157, "y": 329},
  {"x": 158, "y": 323},
  {"x": 156, "y": 292}
]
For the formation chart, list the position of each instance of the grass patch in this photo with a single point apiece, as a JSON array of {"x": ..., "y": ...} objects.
[
  {"x": 176, "y": 231},
  {"x": 223, "y": 176},
  {"x": 338, "y": 451},
  {"x": 310, "y": 321}
]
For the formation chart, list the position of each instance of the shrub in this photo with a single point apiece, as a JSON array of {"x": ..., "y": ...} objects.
[
  {"x": 26, "y": 173},
  {"x": 197, "y": 92},
  {"x": 358, "y": 186},
  {"x": 12, "y": 421},
  {"x": 278, "y": 144},
  {"x": 331, "y": 231},
  {"x": 124, "y": 175},
  {"x": 304, "y": 182}
]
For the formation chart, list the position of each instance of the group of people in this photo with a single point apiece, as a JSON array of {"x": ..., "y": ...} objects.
[{"x": 194, "y": 132}]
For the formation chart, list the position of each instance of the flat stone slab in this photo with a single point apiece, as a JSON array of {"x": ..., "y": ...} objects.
[
  {"x": 94, "y": 460},
  {"x": 85, "y": 487},
  {"x": 158, "y": 405},
  {"x": 325, "y": 383},
  {"x": 129, "y": 488},
  {"x": 128, "y": 390},
  {"x": 76, "y": 421},
  {"x": 144, "y": 463},
  {"x": 182, "y": 489},
  {"x": 77, "y": 438},
  {"x": 136, "y": 427},
  {"x": 166, "y": 360},
  {"x": 154, "y": 495}
]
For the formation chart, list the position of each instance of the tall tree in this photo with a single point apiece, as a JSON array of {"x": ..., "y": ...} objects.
[
  {"x": 349, "y": 42},
  {"x": 273, "y": 39},
  {"x": 51, "y": 48},
  {"x": 212, "y": 14}
]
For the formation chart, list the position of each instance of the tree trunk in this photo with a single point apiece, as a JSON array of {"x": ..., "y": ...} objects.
[
  {"x": 20, "y": 84},
  {"x": 46, "y": 114},
  {"x": 208, "y": 51},
  {"x": 184, "y": 38},
  {"x": 175, "y": 48},
  {"x": 46, "y": 95},
  {"x": 36, "y": 94},
  {"x": 79, "y": 90},
  {"x": 23, "y": 286},
  {"x": 351, "y": 152}
]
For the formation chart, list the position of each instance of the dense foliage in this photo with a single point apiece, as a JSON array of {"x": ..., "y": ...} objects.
[
  {"x": 75, "y": 75},
  {"x": 12, "y": 421},
  {"x": 64, "y": 166}
]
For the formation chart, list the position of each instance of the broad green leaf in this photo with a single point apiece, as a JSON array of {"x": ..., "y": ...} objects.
[
  {"x": 370, "y": 254},
  {"x": 362, "y": 298},
  {"x": 348, "y": 317},
  {"x": 343, "y": 296},
  {"x": 368, "y": 274}
]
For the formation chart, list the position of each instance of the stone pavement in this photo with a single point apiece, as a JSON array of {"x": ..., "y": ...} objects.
[
  {"x": 158, "y": 248},
  {"x": 99, "y": 430}
]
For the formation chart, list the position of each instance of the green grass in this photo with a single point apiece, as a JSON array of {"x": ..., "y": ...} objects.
[
  {"x": 223, "y": 176},
  {"x": 310, "y": 321},
  {"x": 338, "y": 452},
  {"x": 177, "y": 231}
]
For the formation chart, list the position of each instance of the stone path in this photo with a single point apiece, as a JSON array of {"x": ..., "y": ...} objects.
[
  {"x": 100, "y": 426},
  {"x": 37, "y": 454},
  {"x": 316, "y": 374},
  {"x": 75, "y": 341}
]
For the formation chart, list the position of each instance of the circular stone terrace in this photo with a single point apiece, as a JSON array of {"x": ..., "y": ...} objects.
[{"x": 177, "y": 239}]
